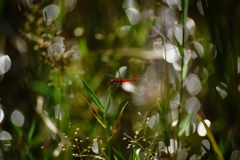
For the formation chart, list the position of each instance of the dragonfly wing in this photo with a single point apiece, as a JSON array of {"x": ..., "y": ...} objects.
[{"x": 122, "y": 71}]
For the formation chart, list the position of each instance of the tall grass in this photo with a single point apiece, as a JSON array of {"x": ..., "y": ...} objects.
[{"x": 57, "y": 80}]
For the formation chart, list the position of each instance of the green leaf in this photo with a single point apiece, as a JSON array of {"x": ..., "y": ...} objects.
[
  {"x": 142, "y": 33},
  {"x": 84, "y": 47},
  {"x": 96, "y": 115},
  {"x": 57, "y": 94},
  {"x": 31, "y": 131},
  {"x": 136, "y": 157},
  {"x": 108, "y": 101},
  {"x": 105, "y": 155},
  {"x": 117, "y": 123},
  {"x": 93, "y": 96},
  {"x": 40, "y": 87},
  {"x": 163, "y": 121},
  {"x": 180, "y": 47},
  {"x": 118, "y": 155},
  {"x": 184, "y": 123}
]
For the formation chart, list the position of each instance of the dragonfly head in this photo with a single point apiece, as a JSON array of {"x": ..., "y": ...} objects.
[{"x": 112, "y": 81}]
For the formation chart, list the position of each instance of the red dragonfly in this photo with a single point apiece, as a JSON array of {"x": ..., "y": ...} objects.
[{"x": 119, "y": 80}]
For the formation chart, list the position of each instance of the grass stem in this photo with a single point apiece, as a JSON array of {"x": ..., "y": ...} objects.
[{"x": 211, "y": 137}]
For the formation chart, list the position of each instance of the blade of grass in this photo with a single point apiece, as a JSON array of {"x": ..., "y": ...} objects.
[
  {"x": 164, "y": 124},
  {"x": 93, "y": 96},
  {"x": 96, "y": 115},
  {"x": 180, "y": 47},
  {"x": 105, "y": 155},
  {"x": 136, "y": 157},
  {"x": 185, "y": 4},
  {"x": 211, "y": 137},
  {"x": 185, "y": 12},
  {"x": 84, "y": 47},
  {"x": 118, "y": 155},
  {"x": 183, "y": 124},
  {"x": 108, "y": 101},
  {"x": 32, "y": 128},
  {"x": 117, "y": 123}
]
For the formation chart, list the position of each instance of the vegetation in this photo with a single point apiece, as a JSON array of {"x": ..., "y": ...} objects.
[{"x": 57, "y": 100}]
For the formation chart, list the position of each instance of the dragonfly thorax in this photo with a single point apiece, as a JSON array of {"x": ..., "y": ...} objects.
[{"x": 114, "y": 81}]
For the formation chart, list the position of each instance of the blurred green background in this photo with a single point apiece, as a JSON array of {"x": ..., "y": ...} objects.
[{"x": 48, "y": 47}]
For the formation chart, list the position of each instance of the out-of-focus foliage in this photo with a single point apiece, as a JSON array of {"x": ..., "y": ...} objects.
[{"x": 184, "y": 104}]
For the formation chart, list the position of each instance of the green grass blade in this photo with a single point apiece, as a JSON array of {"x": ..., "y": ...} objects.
[
  {"x": 93, "y": 96},
  {"x": 96, "y": 115},
  {"x": 183, "y": 124},
  {"x": 105, "y": 155},
  {"x": 185, "y": 12},
  {"x": 135, "y": 155},
  {"x": 118, "y": 155},
  {"x": 210, "y": 137},
  {"x": 117, "y": 123},
  {"x": 108, "y": 101},
  {"x": 163, "y": 122},
  {"x": 84, "y": 47},
  {"x": 31, "y": 131},
  {"x": 180, "y": 47}
]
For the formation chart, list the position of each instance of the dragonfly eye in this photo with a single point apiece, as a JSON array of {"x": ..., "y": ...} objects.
[{"x": 111, "y": 81}]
